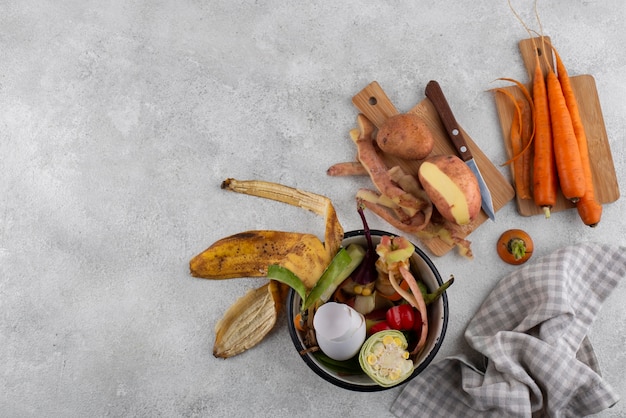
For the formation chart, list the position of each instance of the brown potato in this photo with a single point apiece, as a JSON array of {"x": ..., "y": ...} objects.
[
  {"x": 405, "y": 135},
  {"x": 452, "y": 187}
]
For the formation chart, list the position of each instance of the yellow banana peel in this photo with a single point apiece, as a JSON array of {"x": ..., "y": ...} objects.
[
  {"x": 248, "y": 254},
  {"x": 318, "y": 204}
]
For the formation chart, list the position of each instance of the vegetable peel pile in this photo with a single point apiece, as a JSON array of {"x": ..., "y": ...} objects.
[
  {"x": 399, "y": 198},
  {"x": 367, "y": 285},
  {"x": 397, "y": 327}
]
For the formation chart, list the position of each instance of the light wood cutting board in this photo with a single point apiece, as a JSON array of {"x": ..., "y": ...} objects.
[
  {"x": 376, "y": 106},
  {"x": 604, "y": 177}
]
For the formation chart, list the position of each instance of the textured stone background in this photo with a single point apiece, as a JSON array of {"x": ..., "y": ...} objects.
[{"x": 119, "y": 120}]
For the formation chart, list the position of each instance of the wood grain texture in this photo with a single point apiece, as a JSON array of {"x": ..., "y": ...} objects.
[
  {"x": 604, "y": 176},
  {"x": 376, "y": 106}
]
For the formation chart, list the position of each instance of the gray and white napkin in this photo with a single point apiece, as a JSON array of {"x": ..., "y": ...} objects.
[{"x": 531, "y": 330}]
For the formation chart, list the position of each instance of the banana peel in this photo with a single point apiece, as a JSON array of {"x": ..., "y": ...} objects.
[
  {"x": 249, "y": 253},
  {"x": 249, "y": 319},
  {"x": 318, "y": 204}
]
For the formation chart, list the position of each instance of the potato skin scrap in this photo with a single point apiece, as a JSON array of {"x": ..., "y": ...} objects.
[{"x": 347, "y": 168}]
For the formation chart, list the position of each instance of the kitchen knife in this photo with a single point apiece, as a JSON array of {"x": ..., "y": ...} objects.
[{"x": 435, "y": 94}]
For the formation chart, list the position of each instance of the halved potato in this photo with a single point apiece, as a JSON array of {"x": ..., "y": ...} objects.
[{"x": 452, "y": 187}]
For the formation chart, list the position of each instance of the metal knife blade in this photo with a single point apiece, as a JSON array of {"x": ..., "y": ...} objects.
[{"x": 439, "y": 101}]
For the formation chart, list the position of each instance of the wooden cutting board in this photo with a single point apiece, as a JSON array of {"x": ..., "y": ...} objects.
[
  {"x": 376, "y": 106},
  {"x": 604, "y": 176}
]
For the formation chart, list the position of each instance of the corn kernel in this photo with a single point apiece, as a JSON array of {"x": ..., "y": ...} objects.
[
  {"x": 394, "y": 375},
  {"x": 366, "y": 292},
  {"x": 371, "y": 359},
  {"x": 397, "y": 341},
  {"x": 405, "y": 355},
  {"x": 358, "y": 289},
  {"x": 388, "y": 340}
]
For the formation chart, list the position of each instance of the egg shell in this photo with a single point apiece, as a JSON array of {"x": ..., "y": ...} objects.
[{"x": 339, "y": 329}]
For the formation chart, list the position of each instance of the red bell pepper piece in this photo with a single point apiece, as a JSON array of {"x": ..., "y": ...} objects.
[
  {"x": 379, "y": 326},
  {"x": 401, "y": 317}
]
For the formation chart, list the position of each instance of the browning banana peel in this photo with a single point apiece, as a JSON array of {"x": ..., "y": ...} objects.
[
  {"x": 248, "y": 254},
  {"x": 318, "y": 204}
]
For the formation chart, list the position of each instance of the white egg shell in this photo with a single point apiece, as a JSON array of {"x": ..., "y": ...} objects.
[{"x": 339, "y": 329}]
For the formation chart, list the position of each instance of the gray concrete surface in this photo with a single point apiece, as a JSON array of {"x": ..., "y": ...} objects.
[{"x": 119, "y": 120}]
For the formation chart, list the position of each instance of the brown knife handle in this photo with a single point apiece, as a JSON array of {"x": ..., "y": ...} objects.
[{"x": 435, "y": 94}]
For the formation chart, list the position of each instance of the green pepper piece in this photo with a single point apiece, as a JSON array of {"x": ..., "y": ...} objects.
[
  {"x": 350, "y": 366},
  {"x": 335, "y": 270},
  {"x": 286, "y": 276},
  {"x": 341, "y": 266},
  {"x": 431, "y": 297},
  {"x": 385, "y": 359},
  {"x": 357, "y": 254}
]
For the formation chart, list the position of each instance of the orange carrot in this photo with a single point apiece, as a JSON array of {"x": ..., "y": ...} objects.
[
  {"x": 544, "y": 171},
  {"x": 589, "y": 209},
  {"x": 567, "y": 155},
  {"x": 566, "y": 152},
  {"x": 545, "y": 182}
]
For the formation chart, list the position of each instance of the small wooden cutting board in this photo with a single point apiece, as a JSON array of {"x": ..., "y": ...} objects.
[
  {"x": 604, "y": 176},
  {"x": 376, "y": 106}
]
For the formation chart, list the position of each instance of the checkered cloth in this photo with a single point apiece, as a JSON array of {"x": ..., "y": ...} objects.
[{"x": 531, "y": 331}]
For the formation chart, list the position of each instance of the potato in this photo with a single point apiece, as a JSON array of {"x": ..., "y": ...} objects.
[
  {"x": 452, "y": 187},
  {"x": 405, "y": 135}
]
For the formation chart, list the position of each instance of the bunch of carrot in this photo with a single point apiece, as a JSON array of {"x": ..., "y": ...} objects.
[{"x": 561, "y": 154}]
